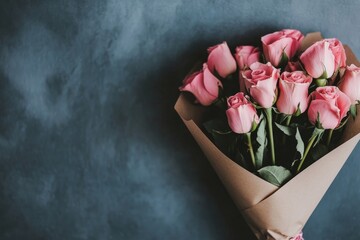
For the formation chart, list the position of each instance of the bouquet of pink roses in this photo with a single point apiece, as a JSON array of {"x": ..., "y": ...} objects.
[{"x": 263, "y": 115}]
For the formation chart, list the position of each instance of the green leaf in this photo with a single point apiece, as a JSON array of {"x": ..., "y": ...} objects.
[
  {"x": 344, "y": 121},
  {"x": 298, "y": 110},
  {"x": 284, "y": 60},
  {"x": 289, "y": 131},
  {"x": 254, "y": 125},
  {"x": 262, "y": 140},
  {"x": 280, "y": 117},
  {"x": 353, "y": 110},
  {"x": 300, "y": 146},
  {"x": 276, "y": 175},
  {"x": 318, "y": 134},
  {"x": 276, "y": 110}
]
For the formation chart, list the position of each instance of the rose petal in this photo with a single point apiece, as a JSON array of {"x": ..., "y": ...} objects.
[
  {"x": 221, "y": 60},
  {"x": 318, "y": 59},
  {"x": 211, "y": 83},
  {"x": 329, "y": 115},
  {"x": 343, "y": 103}
]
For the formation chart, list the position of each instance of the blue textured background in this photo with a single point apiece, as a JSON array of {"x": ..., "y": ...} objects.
[{"x": 90, "y": 146}]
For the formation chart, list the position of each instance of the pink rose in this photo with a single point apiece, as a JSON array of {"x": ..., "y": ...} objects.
[
  {"x": 241, "y": 113},
  {"x": 221, "y": 60},
  {"x": 203, "y": 85},
  {"x": 285, "y": 42},
  {"x": 329, "y": 105},
  {"x": 338, "y": 51},
  {"x": 350, "y": 83},
  {"x": 246, "y": 55},
  {"x": 319, "y": 60},
  {"x": 260, "y": 82},
  {"x": 293, "y": 92}
]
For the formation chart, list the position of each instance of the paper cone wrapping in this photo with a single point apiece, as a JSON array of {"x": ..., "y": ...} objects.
[{"x": 272, "y": 212}]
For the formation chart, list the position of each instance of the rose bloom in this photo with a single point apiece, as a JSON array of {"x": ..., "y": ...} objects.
[
  {"x": 203, "y": 85},
  {"x": 319, "y": 60},
  {"x": 293, "y": 92},
  {"x": 260, "y": 81},
  {"x": 338, "y": 51},
  {"x": 221, "y": 60},
  {"x": 328, "y": 105},
  {"x": 350, "y": 83},
  {"x": 286, "y": 41},
  {"x": 241, "y": 113},
  {"x": 246, "y": 55}
]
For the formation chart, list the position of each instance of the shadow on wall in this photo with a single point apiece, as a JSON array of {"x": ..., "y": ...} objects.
[
  {"x": 163, "y": 89},
  {"x": 11, "y": 132}
]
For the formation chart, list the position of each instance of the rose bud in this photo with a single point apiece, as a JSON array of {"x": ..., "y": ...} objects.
[
  {"x": 293, "y": 92},
  {"x": 338, "y": 51},
  {"x": 241, "y": 114},
  {"x": 283, "y": 43},
  {"x": 328, "y": 107},
  {"x": 203, "y": 85},
  {"x": 350, "y": 83},
  {"x": 221, "y": 60},
  {"x": 260, "y": 81},
  {"x": 246, "y": 55},
  {"x": 319, "y": 60}
]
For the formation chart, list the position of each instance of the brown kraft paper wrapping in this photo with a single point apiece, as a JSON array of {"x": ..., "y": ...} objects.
[{"x": 272, "y": 212}]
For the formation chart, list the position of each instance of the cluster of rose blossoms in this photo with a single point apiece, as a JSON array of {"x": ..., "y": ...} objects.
[{"x": 280, "y": 78}]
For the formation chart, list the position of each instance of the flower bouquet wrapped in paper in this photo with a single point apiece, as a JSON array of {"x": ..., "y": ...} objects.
[{"x": 276, "y": 122}]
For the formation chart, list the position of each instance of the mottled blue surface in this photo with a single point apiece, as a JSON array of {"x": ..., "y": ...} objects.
[{"x": 90, "y": 146}]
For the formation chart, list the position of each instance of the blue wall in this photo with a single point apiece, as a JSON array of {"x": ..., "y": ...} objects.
[{"x": 90, "y": 146}]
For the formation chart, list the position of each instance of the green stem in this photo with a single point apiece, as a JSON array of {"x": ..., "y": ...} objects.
[
  {"x": 329, "y": 137},
  {"x": 308, "y": 147},
  {"x": 268, "y": 113},
  {"x": 248, "y": 135},
  {"x": 287, "y": 123},
  {"x": 288, "y": 120}
]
